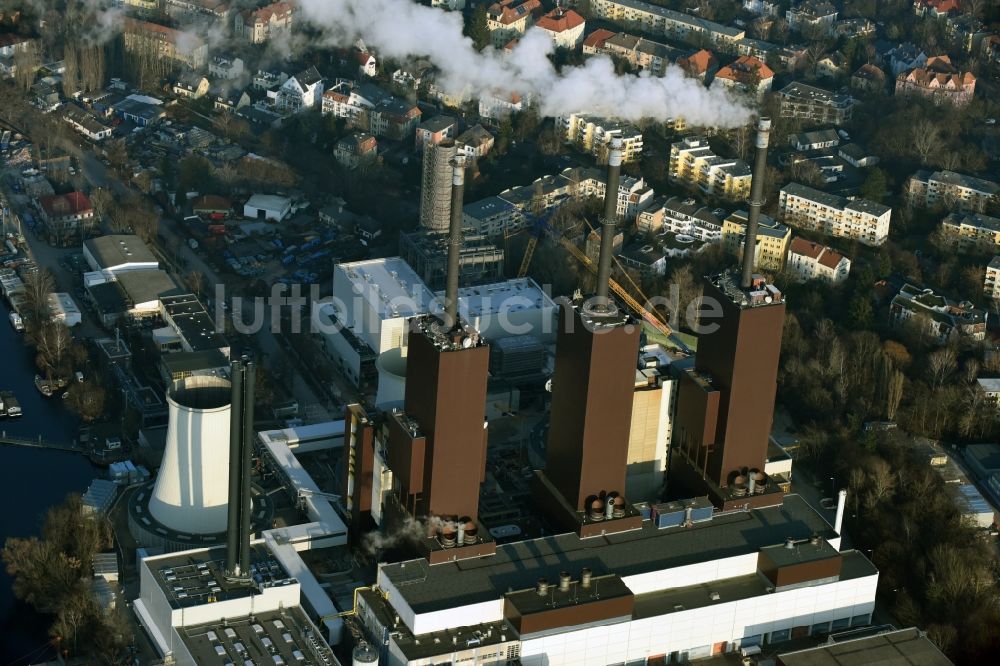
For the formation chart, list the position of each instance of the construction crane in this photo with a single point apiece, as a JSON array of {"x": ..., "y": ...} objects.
[{"x": 541, "y": 227}]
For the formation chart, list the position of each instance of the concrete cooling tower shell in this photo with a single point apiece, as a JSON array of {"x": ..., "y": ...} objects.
[
  {"x": 391, "y": 366},
  {"x": 192, "y": 490}
]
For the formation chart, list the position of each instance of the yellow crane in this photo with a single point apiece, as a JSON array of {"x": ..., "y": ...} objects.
[{"x": 654, "y": 319}]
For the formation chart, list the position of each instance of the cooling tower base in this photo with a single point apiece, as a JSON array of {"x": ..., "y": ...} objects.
[{"x": 150, "y": 533}]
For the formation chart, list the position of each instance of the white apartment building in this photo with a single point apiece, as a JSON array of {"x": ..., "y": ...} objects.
[
  {"x": 694, "y": 163},
  {"x": 951, "y": 189},
  {"x": 225, "y": 67},
  {"x": 593, "y": 135},
  {"x": 301, "y": 92},
  {"x": 672, "y": 24},
  {"x": 681, "y": 216},
  {"x": 492, "y": 216},
  {"x": 991, "y": 285},
  {"x": 859, "y": 219},
  {"x": 812, "y": 261},
  {"x": 260, "y": 25}
]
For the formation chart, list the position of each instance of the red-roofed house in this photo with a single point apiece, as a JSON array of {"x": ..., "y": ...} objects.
[
  {"x": 147, "y": 38},
  {"x": 699, "y": 64},
  {"x": 564, "y": 26},
  {"x": 594, "y": 43},
  {"x": 812, "y": 261},
  {"x": 67, "y": 218},
  {"x": 936, "y": 8},
  {"x": 747, "y": 74},
  {"x": 509, "y": 19},
  {"x": 955, "y": 87},
  {"x": 868, "y": 78},
  {"x": 259, "y": 25}
]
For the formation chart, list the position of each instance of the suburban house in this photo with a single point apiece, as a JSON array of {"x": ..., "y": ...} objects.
[
  {"x": 950, "y": 189},
  {"x": 564, "y": 26},
  {"x": 435, "y": 130},
  {"x": 700, "y": 64},
  {"x": 356, "y": 149},
  {"x": 259, "y": 25},
  {"x": 855, "y": 155},
  {"x": 509, "y": 19},
  {"x": 67, "y": 218},
  {"x": 747, "y": 74},
  {"x": 474, "y": 142},
  {"x": 190, "y": 85},
  {"x": 944, "y": 318},
  {"x": 86, "y": 124},
  {"x": 807, "y": 208},
  {"x": 300, "y": 92},
  {"x": 695, "y": 164},
  {"x": 815, "y": 16},
  {"x": 812, "y": 261},
  {"x": 936, "y": 8},
  {"x": 868, "y": 78},
  {"x": 903, "y": 57},
  {"x": 816, "y": 140},
  {"x": 225, "y": 67}
]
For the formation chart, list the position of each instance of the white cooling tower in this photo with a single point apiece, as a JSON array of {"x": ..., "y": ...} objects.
[
  {"x": 192, "y": 488},
  {"x": 391, "y": 366}
]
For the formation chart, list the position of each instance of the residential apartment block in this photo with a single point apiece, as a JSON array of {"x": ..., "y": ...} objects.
[
  {"x": 492, "y": 216},
  {"x": 146, "y": 38},
  {"x": 806, "y": 208},
  {"x": 798, "y": 100},
  {"x": 681, "y": 216},
  {"x": 671, "y": 24},
  {"x": 260, "y": 25},
  {"x": 300, "y": 92},
  {"x": 952, "y": 190},
  {"x": 369, "y": 108},
  {"x": 593, "y": 135},
  {"x": 642, "y": 54},
  {"x": 771, "y": 247},
  {"x": 971, "y": 231},
  {"x": 356, "y": 149},
  {"x": 693, "y": 162},
  {"x": 811, "y": 261},
  {"x": 944, "y": 318},
  {"x": 509, "y": 19},
  {"x": 991, "y": 285},
  {"x": 67, "y": 218}
]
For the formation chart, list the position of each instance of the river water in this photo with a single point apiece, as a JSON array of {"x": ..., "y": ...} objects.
[{"x": 31, "y": 481}]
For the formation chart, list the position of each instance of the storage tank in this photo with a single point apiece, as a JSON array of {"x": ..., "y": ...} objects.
[
  {"x": 391, "y": 366},
  {"x": 191, "y": 492},
  {"x": 364, "y": 655}
]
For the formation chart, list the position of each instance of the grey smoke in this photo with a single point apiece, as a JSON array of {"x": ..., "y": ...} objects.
[{"x": 402, "y": 29}]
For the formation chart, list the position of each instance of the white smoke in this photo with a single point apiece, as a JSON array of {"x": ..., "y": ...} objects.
[
  {"x": 411, "y": 531},
  {"x": 402, "y": 29}
]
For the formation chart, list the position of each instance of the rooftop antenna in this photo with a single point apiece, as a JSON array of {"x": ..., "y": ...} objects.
[
  {"x": 609, "y": 223},
  {"x": 454, "y": 241},
  {"x": 756, "y": 200}
]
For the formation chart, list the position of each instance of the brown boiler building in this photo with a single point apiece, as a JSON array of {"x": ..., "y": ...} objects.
[{"x": 726, "y": 403}]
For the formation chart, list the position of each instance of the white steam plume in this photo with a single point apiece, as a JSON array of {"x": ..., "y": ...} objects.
[{"x": 401, "y": 29}]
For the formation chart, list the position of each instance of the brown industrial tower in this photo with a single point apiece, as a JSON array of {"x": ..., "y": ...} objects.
[
  {"x": 592, "y": 389},
  {"x": 437, "y": 444},
  {"x": 726, "y": 402}
]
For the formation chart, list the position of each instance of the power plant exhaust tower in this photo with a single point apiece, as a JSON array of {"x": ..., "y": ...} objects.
[
  {"x": 593, "y": 386},
  {"x": 725, "y": 404},
  {"x": 188, "y": 496},
  {"x": 241, "y": 434}
]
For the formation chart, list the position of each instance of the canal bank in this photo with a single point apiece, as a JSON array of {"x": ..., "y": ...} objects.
[{"x": 31, "y": 481}]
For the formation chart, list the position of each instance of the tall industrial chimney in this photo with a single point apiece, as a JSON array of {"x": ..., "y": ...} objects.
[
  {"x": 241, "y": 435},
  {"x": 454, "y": 241},
  {"x": 756, "y": 200},
  {"x": 609, "y": 223}
]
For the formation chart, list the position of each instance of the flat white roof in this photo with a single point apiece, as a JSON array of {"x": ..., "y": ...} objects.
[
  {"x": 509, "y": 296},
  {"x": 64, "y": 302},
  {"x": 269, "y": 202},
  {"x": 389, "y": 286}
]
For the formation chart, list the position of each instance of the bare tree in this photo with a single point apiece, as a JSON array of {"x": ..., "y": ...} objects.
[
  {"x": 54, "y": 344},
  {"x": 893, "y": 393},
  {"x": 38, "y": 286},
  {"x": 940, "y": 365},
  {"x": 926, "y": 139}
]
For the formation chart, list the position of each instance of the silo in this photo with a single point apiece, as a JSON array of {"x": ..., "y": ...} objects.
[
  {"x": 364, "y": 655},
  {"x": 435, "y": 186},
  {"x": 391, "y": 366},
  {"x": 191, "y": 491}
]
